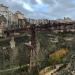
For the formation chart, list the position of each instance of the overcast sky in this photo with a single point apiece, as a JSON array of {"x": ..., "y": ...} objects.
[{"x": 51, "y": 9}]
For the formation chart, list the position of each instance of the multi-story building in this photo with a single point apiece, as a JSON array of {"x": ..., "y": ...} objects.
[
  {"x": 2, "y": 25},
  {"x": 11, "y": 18},
  {"x": 4, "y": 11},
  {"x": 19, "y": 15},
  {"x": 20, "y": 19}
]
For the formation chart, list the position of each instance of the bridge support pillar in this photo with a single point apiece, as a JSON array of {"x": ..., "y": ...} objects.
[{"x": 33, "y": 53}]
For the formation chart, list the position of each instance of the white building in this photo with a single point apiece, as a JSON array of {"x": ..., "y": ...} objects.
[
  {"x": 2, "y": 28},
  {"x": 7, "y": 14},
  {"x": 4, "y": 11},
  {"x": 3, "y": 22},
  {"x": 19, "y": 15}
]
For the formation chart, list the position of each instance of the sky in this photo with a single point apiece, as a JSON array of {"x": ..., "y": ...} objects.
[{"x": 48, "y": 9}]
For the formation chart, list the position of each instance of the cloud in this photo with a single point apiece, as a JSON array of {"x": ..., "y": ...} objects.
[
  {"x": 28, "y": 7},
  {"x": 39, "y": 2},
  {"x": 23, "y": 4},
  {"x": 43, "y": 8}
]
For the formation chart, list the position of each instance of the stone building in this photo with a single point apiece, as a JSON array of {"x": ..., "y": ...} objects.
[
  {"x": 12, "y": 18},
  {"x": 7, "y": 14},
  {"x": 4, "y": 11},
  {"x": 3, "y": 22},
  {"x": 19, "y": 15},
  {"x": 20, "y": 19}
]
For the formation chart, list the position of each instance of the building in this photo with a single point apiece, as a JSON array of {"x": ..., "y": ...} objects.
[
  {"x": 20, "y": 19},
  {"x": 65, "y": 20},
  {"x": 4, "y": 11},
  {"x": 2, "y": 28},
  {"x": 2, "y": 25},
  {"x": 7, "y": 14},
  {"x": 11, "y": 18},
  {"x": 19, "y": 15}
]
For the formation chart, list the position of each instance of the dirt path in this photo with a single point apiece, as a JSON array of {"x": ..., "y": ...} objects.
[{"x": 15, "y": 68}]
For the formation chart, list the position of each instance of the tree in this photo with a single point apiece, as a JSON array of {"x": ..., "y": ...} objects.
[{"x": 57, "y": 56}]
